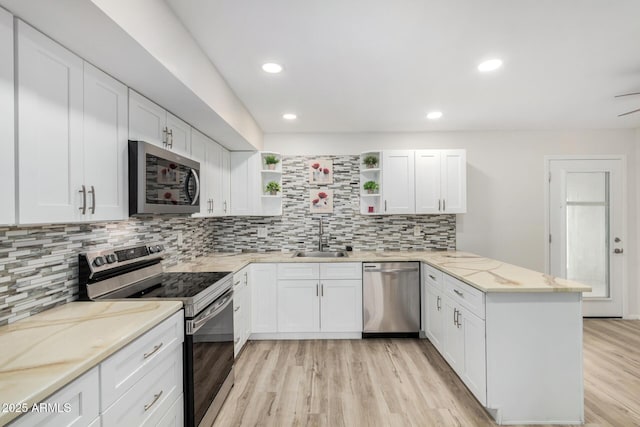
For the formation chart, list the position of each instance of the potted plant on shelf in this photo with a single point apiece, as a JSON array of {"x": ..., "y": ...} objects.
[
  {"x": 273, "y": 188},
  {"x": 370, "y": 161},
  {"x": 271, "y": 161},
  {"x": 371, "y": 187}
]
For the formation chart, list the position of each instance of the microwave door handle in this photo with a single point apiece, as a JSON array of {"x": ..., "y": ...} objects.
[{"x": 197, "y": 195}]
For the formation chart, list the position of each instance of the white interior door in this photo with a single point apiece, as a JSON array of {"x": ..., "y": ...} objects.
[{"x": 585, "y": 230}]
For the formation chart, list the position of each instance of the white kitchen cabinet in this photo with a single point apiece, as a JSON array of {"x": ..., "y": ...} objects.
[
  {"x": 105, "y": 145},
  {"x": 151, "y": 123},
  {"x": 398, "y": 182},
  {"x": 441, "y": 181},
  {"x": 7, "y": 152},
  {"x": 50, "y": 87},
  {"x": 453, "y": 340},
  {"x": 245, "y": 182},
  {"x": 174, "y": 417},
  {"x": 319, "y": 298},
  {"x": 475, "y": 360},
  {"x": 214, "y": 174},
  {"x": 241, "y": 309},
  {"x": 72, "y": 136},
  {"x": 78, "y": 405},
  {"x": 434, "y": 316},
  {"x": 264, "y": 298}
]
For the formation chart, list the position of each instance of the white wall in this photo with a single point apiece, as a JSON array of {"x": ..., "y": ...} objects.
[{"x": 505, "y": 181}]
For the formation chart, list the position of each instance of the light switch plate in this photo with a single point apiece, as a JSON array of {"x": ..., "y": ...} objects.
[
  {"x": 417, "y": 231},
  {"x": 179, "y": 238},
  {"x": 262, "y": 231}
]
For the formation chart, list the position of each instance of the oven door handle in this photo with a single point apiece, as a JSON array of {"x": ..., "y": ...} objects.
[{"x": 210, "y": 313}]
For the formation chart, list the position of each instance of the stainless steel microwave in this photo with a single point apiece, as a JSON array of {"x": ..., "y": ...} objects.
[{"x": 161, "y": 181}]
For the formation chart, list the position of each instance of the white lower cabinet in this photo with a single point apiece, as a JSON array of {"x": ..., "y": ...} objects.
[
  {"x": 264, "y": 299},
  {"x": 341, "y": 305},
  {"x": 77, "y": 404},
  {"x": 140, "y": 385},
  {"x": 241, "y": 309},
  {"x": 298, "y": 305},
  {"x": 434, "y": 316}
]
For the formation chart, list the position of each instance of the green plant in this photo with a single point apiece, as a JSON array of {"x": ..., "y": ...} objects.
[
  {"x": 273, "y": 187},
  {"x": 271, "y": 160},
  {"x": 370, "y": 161},
  {"x": 371, "y": 185}
]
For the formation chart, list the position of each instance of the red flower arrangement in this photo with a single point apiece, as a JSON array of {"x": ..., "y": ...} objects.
[
  {"x": 315, "y": 165},
  {"x": 326, "y": 171},
  {"x": 315, "y": 201},
  {"x": 167, "y": 195},
  {"x": 322, "y": 195}
]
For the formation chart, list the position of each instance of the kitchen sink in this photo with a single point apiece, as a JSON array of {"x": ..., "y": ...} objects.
[{"x": 318, "y": 254}]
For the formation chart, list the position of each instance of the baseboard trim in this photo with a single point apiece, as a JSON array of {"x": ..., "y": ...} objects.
[
  {"x": 307, "y": 336},
  {"x": 632, "y": 317}
]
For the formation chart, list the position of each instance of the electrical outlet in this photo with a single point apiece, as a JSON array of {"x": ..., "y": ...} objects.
[
  {"x": 179, "y": 239},
  {"x": 417, "y": 231},
  {"x": 262, "y": 231}
]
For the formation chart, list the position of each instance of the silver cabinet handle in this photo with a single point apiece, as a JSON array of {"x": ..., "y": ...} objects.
[
  {"x": 438, "y": 303},
  {"x": 460, "y": 294},
  {"x": 618, "y": 250},
  {"x": 93, "y": 199},
  {"x": 165, "y": 138},
  {"x": 236, "y": 309},
  {"x": 385, "y": 205},
  {"x": 236, "y": 283},
  {"x": 458, "y": 323},
  {"x": 432, "y": 277},
  {"x": 317, "y": 289},
  {"x": 170, "y": 138},
  {"x": 84, "y": 200},
  {"x": 322, "y": 289},
  {"x": 439, "y": 205},
  {"x": 152, "y": 352},
  {"x": 455, "y": 317},
  {"x": 444, "y": 205},
  {"x": 225, "y": 206},
  {"x": 155, "y": 399}
]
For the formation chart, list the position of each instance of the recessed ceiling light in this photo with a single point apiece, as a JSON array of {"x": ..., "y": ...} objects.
[
  {"x": 490, "y": 65},
  {"x": 289, "y": 116},
  {"x": 434, "y": 115},
  {"x": 272, "y": 67}
]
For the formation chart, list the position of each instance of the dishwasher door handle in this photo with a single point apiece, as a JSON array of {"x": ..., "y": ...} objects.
[{"x": 393, "y": 270}]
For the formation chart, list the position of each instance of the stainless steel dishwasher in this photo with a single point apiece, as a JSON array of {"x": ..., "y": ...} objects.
[{"x": 391, "y": 299}]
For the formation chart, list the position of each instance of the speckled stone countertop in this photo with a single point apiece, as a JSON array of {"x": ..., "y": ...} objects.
[
  {"x": 485, "y": 274},
  {"x": 42, "y": 353}
]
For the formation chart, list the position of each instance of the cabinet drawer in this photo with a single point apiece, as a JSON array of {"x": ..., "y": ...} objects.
[
  {"x": 77, "y": 404},
  {"x": 174, "y": 417},
  {"x": 341, "y": 270},
  {"x": 470, "y": 298},
  {"x": 125, "y": 368},
  {"x": 151, "y": 397},
  {"x": 432, "y": 276},
  {"x": 301, "y": 270}
]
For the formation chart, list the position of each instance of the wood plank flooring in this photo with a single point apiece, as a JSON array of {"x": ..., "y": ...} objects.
[{"x": 394, "y": 382}]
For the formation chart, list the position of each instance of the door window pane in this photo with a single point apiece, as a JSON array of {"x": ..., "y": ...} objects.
[{"x": 587, "y": 186}]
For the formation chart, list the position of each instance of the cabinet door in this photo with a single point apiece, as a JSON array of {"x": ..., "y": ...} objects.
[
  {"x": 214, "y": 165},
  {"x": 147, "y": 121},
  {"x": 398, "y": 182},
  {"x": 105, "y": 145},
  {"x": 454, "y": 181},
  {"x": 239, "y": 310},
  {"x": 7, "y": 155},
  {"x": 179, "y": 136},
  {"x": 298, "y": 306},
  {"x": 246, "y": 320},
  {"x": 244, "y": 182},
  {"x": 341, "y": 305},
  {"x": 226, "y": 181},
  {"x": 475, "y": 367},
  {"x": 434, "y": 316},
  {"x": 264, "y": 303},
  {"x": 49, "y": 129},
  {"x": 199, "y": 153},
  {"x": 428, "y": 198},
  {"x": 453, "y": 340},
  {"x": 81, "y": 397}
]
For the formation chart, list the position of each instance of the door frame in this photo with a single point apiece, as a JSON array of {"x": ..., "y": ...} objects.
[{"x": 623, "y": 172}]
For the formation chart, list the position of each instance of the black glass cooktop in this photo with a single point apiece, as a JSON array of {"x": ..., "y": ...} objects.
[{"x": 181, "y": 285}]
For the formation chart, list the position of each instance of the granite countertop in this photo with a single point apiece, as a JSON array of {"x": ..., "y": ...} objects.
[
  {"x": 485, "y": 274},
  {"x": 44, "y": 352}
]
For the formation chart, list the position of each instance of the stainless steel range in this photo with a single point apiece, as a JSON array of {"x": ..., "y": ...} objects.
[{"x": 136, "y": 272}]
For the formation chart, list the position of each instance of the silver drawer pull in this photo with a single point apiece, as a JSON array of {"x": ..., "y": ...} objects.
[
  {"x": 460, "y": 294},
  {"x": 237, "y": 308},
  {"x": 155, "y": 399},
  {"x": 236, "y": 283},
  {"x": 152, "y": 352},
  {"x": 432, "y": 277}
]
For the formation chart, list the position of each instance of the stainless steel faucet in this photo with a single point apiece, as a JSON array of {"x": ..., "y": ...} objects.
[{"x": 321, "y": 244}]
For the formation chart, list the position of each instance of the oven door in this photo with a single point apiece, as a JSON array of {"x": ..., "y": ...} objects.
[
  {"x": 208, "y": 357},
  {"x": 161, "y": 181}
]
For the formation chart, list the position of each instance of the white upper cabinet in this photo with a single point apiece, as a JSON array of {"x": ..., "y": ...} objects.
[
  {"x": 398, "y": 180},
  {"x": 50, "y": 129},
  {"x": 7, "y": 155},
  {"x": 72, "y": 135},
  {"x": 214, "y": 174},
  {"x": 151, "y": 123},
  {"x": 441, "y": 181},
  {"x": 105, "y": 144},
  {"x": 245, "y": 180}
]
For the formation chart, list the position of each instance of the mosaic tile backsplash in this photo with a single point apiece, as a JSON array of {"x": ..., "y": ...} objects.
[
  {"x": 297, "y": 228},
  {"x": 39, "y": 265}
]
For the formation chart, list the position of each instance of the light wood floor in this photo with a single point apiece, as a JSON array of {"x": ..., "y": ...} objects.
[{"x": 406, "y": 382}]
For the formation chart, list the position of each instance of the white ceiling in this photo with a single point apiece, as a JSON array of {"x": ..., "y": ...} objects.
[{"x": 380, "y": 65}]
